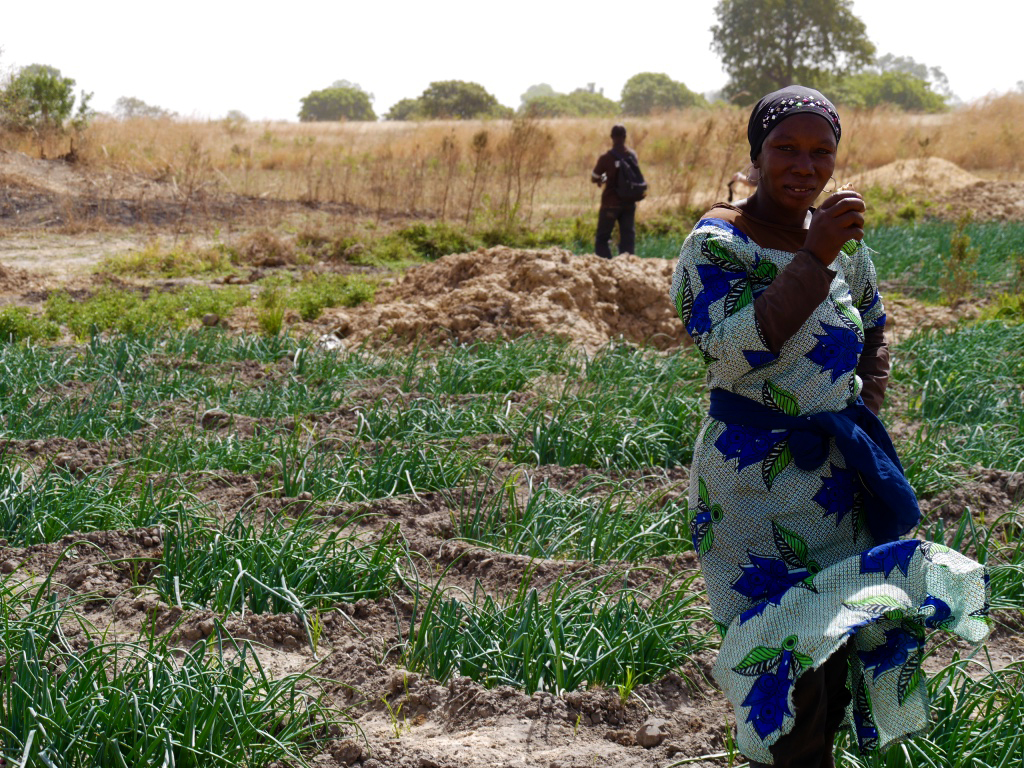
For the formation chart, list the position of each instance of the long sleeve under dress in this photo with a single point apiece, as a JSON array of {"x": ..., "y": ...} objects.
[{"x": 791, "y": 567}]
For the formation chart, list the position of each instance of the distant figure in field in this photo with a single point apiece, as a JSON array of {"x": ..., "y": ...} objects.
[{"x": 619, "y": 171}]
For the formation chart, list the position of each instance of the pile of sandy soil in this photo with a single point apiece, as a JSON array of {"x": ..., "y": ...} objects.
[
  {"x": 954, "y": 190},
  {"x": 504, "y": 293},
  {"x": 929, "y": 174}
]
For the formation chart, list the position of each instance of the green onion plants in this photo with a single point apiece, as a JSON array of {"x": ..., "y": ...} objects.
[
  {"x": 45, "y": 506},
  {"x": 969, "y": 389},
  {"x": 597, "y": 521},
  {"x": 143, "y": 703},
  {"x": 276, "y": 567},
  {"x": 628, "y": 430},
  {"x": 427, "y": 418},
  {"x": 632, "y": 409},
  {"x": 194, "y": 451},
  {"x": 362, "y": 473},
  {"x": 976, "y": 714},
  {"x": 499, "y": 367},
  {"x": 913, "y": 254},
  {"x": 570, "y": 637}
]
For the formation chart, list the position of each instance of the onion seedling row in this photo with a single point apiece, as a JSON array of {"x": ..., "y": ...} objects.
[
  {"x": 571, "y": 637},
  {"x": 137, "y": 703},
  {"x": 276, "y": 567},
  {"x": 595, "y": 522}
]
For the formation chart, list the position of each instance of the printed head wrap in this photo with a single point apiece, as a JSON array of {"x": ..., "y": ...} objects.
[{"x": 778, "y": 105}]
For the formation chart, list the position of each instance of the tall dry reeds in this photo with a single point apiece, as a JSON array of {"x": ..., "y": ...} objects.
[
  {"x": 514, "y": 170},
  {"x": 983, "y": 137}
]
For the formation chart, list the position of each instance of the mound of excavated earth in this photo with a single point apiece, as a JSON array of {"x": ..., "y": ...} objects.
[
  {"x": 954, "y": 190},
  {"x": 932, "y": 174},
  {"x": 505, "y": 293},
  {"x": 998, "y": 200}
]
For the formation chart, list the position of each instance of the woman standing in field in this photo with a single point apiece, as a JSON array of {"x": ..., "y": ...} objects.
[{"x": 797, "y": 498}]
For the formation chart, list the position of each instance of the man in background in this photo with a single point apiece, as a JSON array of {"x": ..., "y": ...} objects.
[{"x": 613, "y": 207}]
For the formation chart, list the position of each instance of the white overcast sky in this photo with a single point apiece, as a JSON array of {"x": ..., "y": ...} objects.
[{"x": 203, "y": 58}]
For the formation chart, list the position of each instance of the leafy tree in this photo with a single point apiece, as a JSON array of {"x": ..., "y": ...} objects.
[
  {"x": 768, "y": 44},
  {"x": 40, "y": 98},
  {"x": 898, "y": 89},
  {"x": 128, "y": 107},
  {"x": 580, "y": 103},
  {"x": 538, "y": 91},
  {"x": 350, "y": 84},
  {"x": 587, "y": 103},
  {"x": 460, "y": 100},
  {"x": 337, "y": 103},
  {"x": 650, "y": 92},
  {"x": 933, "y": 76},
  {"x": 405, "y": 109},
  {"x": 897, "y": 81}
]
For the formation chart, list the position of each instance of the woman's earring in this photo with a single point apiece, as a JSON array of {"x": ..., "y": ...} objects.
[
  {"x": 753, "y": 174},
  {"x": 834, "y": 185}
]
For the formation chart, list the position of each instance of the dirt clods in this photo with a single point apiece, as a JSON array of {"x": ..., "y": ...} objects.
[
  {"x": 504, "y": 293},
  {"x": 654, "y": 731}
]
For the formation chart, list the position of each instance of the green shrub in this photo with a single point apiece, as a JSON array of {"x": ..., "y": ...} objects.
[
  {"x": 1008, "y": 307},
  {"x": 337, "y": 103},
  {"x": 677, "y": 225},
  {"x": 961, "y": 265},
  {"x": 649, "y": 92},
  {"x": 18, "y": 324},
  {"x": 432, "y": 241},
  {"x": 314, "y": 295},
  {"x": 890, "y": 206},
  {"x": 153, "y": 260},
  {"x": 389, "y": 251},
  {"x": 115, "y": 309},
  {"x": 270, "y": 313},
  {"x": 326, "y": 246}
]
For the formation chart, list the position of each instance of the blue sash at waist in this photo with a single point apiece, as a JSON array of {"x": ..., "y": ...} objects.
[{"x": 891, "y": 509}]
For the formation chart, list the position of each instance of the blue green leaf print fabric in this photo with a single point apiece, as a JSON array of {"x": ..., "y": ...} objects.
[{"x": 792, "y": 570}]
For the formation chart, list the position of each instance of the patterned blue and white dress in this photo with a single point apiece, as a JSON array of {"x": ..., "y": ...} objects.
[{"x": 791, "y": 566}]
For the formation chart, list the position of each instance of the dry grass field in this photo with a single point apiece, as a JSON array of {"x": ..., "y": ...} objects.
[
  {"x": 330, "y": 445},
  {"x": 473, "y": 171}
]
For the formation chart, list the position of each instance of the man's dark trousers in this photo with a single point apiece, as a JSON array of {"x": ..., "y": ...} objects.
[{"x": 625, "y": 215}]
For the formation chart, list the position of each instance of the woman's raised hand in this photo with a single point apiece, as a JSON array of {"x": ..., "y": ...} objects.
[{"x": 839, "y": 219}]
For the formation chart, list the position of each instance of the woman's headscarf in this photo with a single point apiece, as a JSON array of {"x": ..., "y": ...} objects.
[{"x": 779, "y": 105}]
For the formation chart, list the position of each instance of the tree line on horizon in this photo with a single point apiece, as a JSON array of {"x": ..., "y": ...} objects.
[{"x": 763, "y": 44}]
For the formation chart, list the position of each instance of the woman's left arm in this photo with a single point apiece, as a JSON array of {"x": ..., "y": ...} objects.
[{"x": 873, "y": 367}]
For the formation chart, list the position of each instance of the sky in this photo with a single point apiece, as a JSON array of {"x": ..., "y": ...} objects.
[{"x": 204, "y": 58}]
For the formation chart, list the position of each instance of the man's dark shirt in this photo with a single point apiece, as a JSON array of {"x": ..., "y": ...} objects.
[{"x": 608, "y": 163}]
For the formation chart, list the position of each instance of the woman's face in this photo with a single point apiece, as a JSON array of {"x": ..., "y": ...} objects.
[{"x": 796, "y": 161}]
